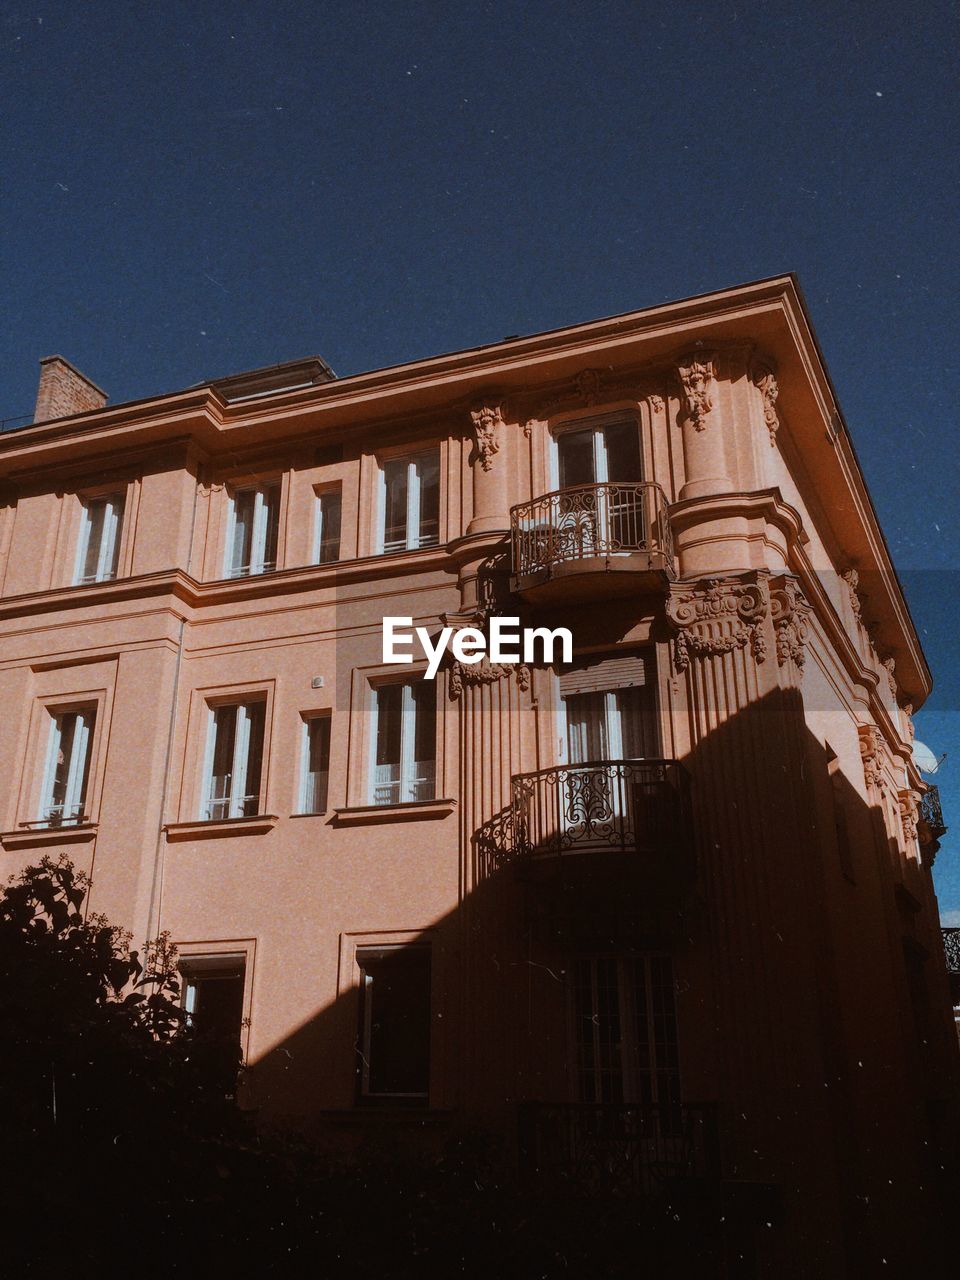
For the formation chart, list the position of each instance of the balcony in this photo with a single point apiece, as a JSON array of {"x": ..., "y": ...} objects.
[
  {"x": 590, "y": 541},
  {"x": 930, "y": 825},
  {"x": 625, "y": 1148}
]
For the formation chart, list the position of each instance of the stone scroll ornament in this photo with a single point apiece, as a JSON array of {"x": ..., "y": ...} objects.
[
  {"x": 909, "y": 802},
  {"x": 463, "y": 674},
  {"x": 765, "y": 380},
  {"x": 487, "y": 421},
  {"x": 716, "y": 617},
  {"x": 789, "y": 611},
  {"x": 697, "y": 374},
  {"x": 871, "y": 752}
]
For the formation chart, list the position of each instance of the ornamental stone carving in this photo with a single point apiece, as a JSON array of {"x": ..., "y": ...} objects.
[
  {"x": 484, "y": 672},
  {"x": 656, "y": 403},
  {"x": 789, "y": 611},
  {"x": 697, "y": 374},
  {"x": 908, "y": 721},
  {"x": 487, "y": 421},
  {"x": 588, "y": 385},
  {"x": 852, "y": 579},
  {"x": 909, "y": 802},
  {"x": 718, "y": 616},
  {"x": 765, "y": 381},
  {"x": 871, "y": 752},
  {"x": 890, "y": 665}
]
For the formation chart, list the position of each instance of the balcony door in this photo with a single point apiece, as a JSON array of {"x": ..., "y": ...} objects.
[{"x": 599, "y": 467}]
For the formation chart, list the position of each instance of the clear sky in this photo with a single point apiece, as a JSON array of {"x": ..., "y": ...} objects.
[{"x": 189, "y": 190}]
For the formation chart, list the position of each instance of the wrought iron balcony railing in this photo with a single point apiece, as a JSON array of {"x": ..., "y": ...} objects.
[
  {"x": 619, "y": 1147},
  {"x": 931, "y": 823},
  {"x": 589, "y": 522},
  {"x": 632, "y": 806},
  {"x": 951, "y": 950}
]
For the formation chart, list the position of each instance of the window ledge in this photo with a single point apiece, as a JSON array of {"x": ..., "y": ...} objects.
[
  {"x": 217, "y": 828},
  {"x": 413, "y": 811},
  {"x": 38, "y": 837}
]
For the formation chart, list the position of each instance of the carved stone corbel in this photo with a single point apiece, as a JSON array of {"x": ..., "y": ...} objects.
[
  {"x": 871, "y": 752},
  {"x": 463, "y": 674},
  {"x": 852, "y": 578},
  {"x": 588, "y": 386},
  {"x": 908, "y": 721},
  {"x": 487, "y": 421},
  {"x": 890, "y": 665},
  {"x": 697, "y": 373},
  {"x": 909, "y": 802},
  {"x": 765, "y": 380},
  {"x": 789, "y": 611},
  {"x": 718, "y": 616}
]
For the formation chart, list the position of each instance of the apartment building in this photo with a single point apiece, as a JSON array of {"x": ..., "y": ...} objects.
[{"x": 662, "y": 915}]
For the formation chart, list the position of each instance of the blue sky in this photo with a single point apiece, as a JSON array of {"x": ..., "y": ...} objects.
[{"x": 191, "y": 190}]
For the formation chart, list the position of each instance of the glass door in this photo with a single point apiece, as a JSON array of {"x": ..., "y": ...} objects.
[{"x": 607, "y": 516}]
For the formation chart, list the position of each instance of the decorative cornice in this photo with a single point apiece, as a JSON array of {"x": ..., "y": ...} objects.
[
  {"x": 697, "y": 373},
  {"x": 717, "y": 616},
  {"x": 484, "y": 672},
  {"x": 487, "y": 421},
  {"x": 765, "y": 380},
  {"x": 909, "y": 802},
  {"x": 871, "y": 752},
  {"x": 852, "y": 578},
  {"x": 789, "y": 610}
]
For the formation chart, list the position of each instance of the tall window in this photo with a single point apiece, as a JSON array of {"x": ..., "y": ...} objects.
[
  {"x": 404, "y": 742},
  {"x": 252, "y": 527},
  {"x": 234, "y": 760},
  {"x": 625, "y": 1027},
  {"x": 67, "y": 767},
  {"x": 410, "y": 502},
  {"x": 593, "y": 455},
  {"x": 608, "y": 709},
  {"x": 314, "y": 764},
  {"x": 328, "y": 526},
  {"x": 99, "y": 547},
  {"x": 394, "y": 1041},
  {"x": 213, "y": 1002}
]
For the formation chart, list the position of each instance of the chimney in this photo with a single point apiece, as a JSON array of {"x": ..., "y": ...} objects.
[{"x": 64, "y": 391}]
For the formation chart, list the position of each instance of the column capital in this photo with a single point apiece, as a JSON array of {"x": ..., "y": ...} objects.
[{"x": 716, "y": 616}]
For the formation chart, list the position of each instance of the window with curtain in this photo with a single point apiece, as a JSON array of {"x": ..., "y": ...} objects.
[
  {"x": 409, "y": 514},
  {"x": 67, "y": 767},
  {"x": 98, "y": 550},
  {"x": 315, "y": 764},
  {"x": 252, "y": 527},
  {"x": 234, "y": 760},
  {"x": 404, "y": 742}
]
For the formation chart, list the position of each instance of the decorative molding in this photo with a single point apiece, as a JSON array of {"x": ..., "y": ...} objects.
[
  {"x": 909, "y": 802},
  {"x": 484, "y": 672},
  {"x": 588, "y": 385},
  {"x": 765, "y": 380},
  {"x": 871, "y": 753},
  {"x": 656, "y": 403},
  {"x": 697, "y": 374},
  {"x": 487, "y": 421},
  {"x": 716, "y": 617},
  {"x": 852, "y": 578},
  {"x": 890, "y": 665},
  {"x": 908, "y": 717},
  {"x": 789, "y": 611}
]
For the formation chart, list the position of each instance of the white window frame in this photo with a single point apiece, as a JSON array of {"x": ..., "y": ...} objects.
[
  {"x": 412, "y": 541},
  {"x": 108, "y": 551},
  {"x": 258, "y": 539},
  {"x": 74, "y": 796},
  {"x": 598, "y": 427},
  {"x": 408, "y": 782},
  {"x": 303, "y": 798},
  {"x": 240, "y": 763}
]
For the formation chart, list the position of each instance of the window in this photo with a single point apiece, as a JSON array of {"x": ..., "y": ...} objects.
[
  {"x": 394, "y": 1035},
  {"x": 315, "y": 764},
  {"x": 328, "y": 526},
  {"x": 67, "y": 767},
  {"x": 594, "y": 455},
  {"x": 608, "y": 709},
  {"x": 252, "y": 526},
  {"x": 99, "y": 547},
  {"x": 234, "y": 760},
  {"x": 625, "y": 1030},
  {"x": 213, "y": 989},
  {"x": 410, "y": 502},
  {"x": 404, "y": 742}
]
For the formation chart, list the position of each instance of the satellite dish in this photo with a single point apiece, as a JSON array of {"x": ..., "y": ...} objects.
[{"x": 924, "y": 758}]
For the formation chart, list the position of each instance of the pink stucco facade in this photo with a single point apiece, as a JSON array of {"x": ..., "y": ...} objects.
[{"x": 717, "y": 799}]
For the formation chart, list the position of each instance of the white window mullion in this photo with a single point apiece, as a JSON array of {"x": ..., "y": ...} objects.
[
  {"x": 108, "y": 537},
  {"x": 83, "y": 542},
  {"x": 241, "y": 756},
  {"x": 381, "y": 509},
  {"x": 50, "y": 768},
  {"x": 408, "y": 727},
  {"x": 208, "y": 802},
  {"x": 230, "y": 566},
  {"x": 413, "y": 505},
  {"x": 78, "y": 756},
  {"x": 258, "y": 542},
  {"x": 304, "y": 765}
]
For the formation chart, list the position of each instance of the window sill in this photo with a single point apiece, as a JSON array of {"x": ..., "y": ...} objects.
[
  {"x": 38, "y": 837},
  {"x": 217, "y": 828},
  {"x": 413, "y": 811}
]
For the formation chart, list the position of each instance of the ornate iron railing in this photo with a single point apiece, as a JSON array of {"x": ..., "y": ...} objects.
[
  {"x": 588, "y": 521},
  {"x": 619, "y": 1147},
  {"x": 931, "y": 814},
  {"x": 951, "y": 950},
  {"x": 628, "y": 805}
]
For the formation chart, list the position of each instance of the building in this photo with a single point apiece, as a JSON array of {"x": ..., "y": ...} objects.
[{"x": 663, "y": 910}]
